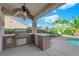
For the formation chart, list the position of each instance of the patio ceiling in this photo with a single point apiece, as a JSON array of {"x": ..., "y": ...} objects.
[{"x": 36, "y": 9}]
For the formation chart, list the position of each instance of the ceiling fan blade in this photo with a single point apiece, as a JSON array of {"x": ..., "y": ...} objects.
[
  {"x": 17, "y": 9},
  {"x": 29, "y": 13},
  {"x": 25, "y": 9},
  {"x": 17, "y": 13}
]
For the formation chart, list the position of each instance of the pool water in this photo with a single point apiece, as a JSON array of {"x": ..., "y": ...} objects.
[{"x": 74, "y": 41}]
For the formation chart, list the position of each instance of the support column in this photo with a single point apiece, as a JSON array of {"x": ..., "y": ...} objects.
[
  {"x": 1, "y": 29},
  {"x": 34, "y": 26}
]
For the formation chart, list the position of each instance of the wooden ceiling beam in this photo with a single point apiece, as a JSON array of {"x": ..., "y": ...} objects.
[{"x": 47, "y": 8}]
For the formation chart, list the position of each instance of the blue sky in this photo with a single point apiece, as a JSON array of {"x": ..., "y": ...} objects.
[{"x": 67, "y": 12}]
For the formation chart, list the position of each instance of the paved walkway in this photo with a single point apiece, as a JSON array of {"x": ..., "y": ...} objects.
[{"x": 59, "y": 47}]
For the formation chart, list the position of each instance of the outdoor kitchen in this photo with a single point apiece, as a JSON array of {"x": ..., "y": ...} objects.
[
  {"x": 21, "y": 37},
  {"x": 40, "y": 40}
]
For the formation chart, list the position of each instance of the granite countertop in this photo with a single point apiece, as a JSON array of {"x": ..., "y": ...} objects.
[
  {"x": 41, "y": 34},
  {"x": 29, "y": 33},
  {"x": 9, "y": 35}
]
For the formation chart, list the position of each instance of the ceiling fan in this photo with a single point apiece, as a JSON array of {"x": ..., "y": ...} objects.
[{"x": 23, "y": 11}]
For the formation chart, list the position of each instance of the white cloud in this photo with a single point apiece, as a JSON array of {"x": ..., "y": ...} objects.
[
  {"x": 67, "y": 5},
  {"x": 51, "y": 18},
  {"x": 38, "y": 25}
]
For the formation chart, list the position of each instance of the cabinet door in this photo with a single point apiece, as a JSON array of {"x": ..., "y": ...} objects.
[
  {"x": 21, "y": 41},
  {"x": 9, "y": 42},
  {"x": 44, "y": 42},
  {"x": 36, "y": 40},
  {"x": 30, "y": 39}
]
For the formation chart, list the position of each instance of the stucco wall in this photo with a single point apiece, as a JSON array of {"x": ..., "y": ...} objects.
[
  {"x": 1, "y": 30},
  {"x": 10, "y": 22}
]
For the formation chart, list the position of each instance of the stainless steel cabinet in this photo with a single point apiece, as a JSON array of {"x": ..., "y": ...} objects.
[
  {"x": 21, "y": 41},
  {"x": 36, "y": 40}
]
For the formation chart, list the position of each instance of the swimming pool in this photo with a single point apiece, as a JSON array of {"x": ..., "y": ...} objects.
[{"x": 74, "y": 41}]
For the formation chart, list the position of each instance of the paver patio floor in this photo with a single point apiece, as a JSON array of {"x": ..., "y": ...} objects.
[{"x": 59, "y": 47}]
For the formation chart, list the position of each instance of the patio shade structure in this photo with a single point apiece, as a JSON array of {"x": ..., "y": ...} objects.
[{"x": 34, "y": 10}]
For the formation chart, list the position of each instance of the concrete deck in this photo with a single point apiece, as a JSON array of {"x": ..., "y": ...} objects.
[{"x": 59, "y": 47}]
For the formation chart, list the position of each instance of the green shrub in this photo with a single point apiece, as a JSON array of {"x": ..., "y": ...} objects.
[
  {"x": 41, "y": 31},
  {"x": 53, "y": 32},
  {"x": 28, "y": 30},
  {"x": 68, "y": 31},
  {"x": 9, "y": 31}
]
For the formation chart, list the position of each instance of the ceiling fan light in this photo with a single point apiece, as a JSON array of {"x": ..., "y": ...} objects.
[{"x": 24, "y": 15}]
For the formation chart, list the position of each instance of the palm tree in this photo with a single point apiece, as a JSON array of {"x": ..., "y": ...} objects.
[
  {"x": 61, "y": 22},
  {"x": 75, "y": 24}
]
